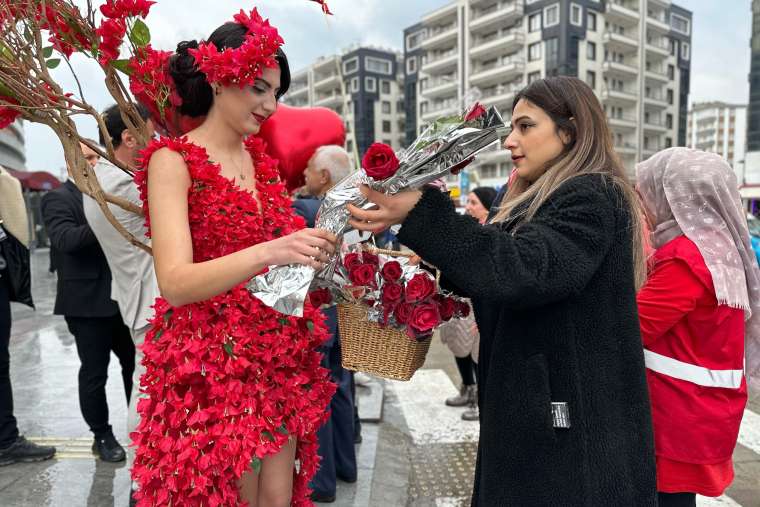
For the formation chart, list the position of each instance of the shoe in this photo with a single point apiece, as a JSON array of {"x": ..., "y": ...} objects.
[
  {"x": 24, "y": 451},
  {"x": 471, "y": 414},
  {"x": 108, "y": 448},
  {"x": 322, "y": 497},
  {"x": 362, "y": 379},
  {"x": 347, "y": 480},
  {"x": 466, "y": 393}
]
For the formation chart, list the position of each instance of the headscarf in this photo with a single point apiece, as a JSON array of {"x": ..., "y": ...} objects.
[
  {"x": 486, "y": 196},
  {"x": 12, "y": 207},
  {"x": 695, "y": 193}
]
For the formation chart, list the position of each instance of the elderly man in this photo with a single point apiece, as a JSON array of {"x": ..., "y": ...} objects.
[
  {"x": 327, "y": 166},
  {"x": 134, "y": 286}
]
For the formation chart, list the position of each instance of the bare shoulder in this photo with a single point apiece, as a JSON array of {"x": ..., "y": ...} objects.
[{"x": 168, "y": 166}]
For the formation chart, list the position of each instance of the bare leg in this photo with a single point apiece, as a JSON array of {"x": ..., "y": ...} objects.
[
  {"x": 249, "y": 486},
  {"x": 275, "y": 487}
]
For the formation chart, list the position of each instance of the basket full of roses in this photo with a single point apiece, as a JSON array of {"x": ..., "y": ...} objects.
[{"x": 387, "y": 325}]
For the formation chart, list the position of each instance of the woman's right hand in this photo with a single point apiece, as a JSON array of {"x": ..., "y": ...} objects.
[{"x": 310, "y": 247}]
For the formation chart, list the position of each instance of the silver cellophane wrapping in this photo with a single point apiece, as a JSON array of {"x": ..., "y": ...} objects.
[{"x": 445, "y": 145}]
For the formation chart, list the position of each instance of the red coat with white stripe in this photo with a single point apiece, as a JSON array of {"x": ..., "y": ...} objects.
[{"x": 681, "y": 319}]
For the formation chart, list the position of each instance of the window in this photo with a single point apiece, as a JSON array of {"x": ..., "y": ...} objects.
[
  {"x": 669, "y": 121},
  {"x": 590, "y": 50},
  {"x": 386, "y": 107},
  {"x": 423, "y": 109},
  {"x": 591, "y": 78},
  {"x": 385, "y": 87},
  {"x": 684, "y": 50},
  {"x": 591, "y": 22},
  {"x": 386, "y": 127},
  {"x": 576, "y": 15},
  {"x": 552, "y": 51},
  {"x": 378, "y": 65},
  {"x": 411, "y": 65},
  {"x": 370, "y": 84},
  {"x": 671, "y": 72},
  {"x": 349, "y": 146},
  {"x": 668, "y": 142},
  {"x": 534, "y": 76},
  {"x": 672, "y": 47},
  {"x": 351, "y": 65},
  {"x": 387, "y": 141},
  {"x": 680, "y": 24},
  {"x": 534, "y": 51},
  {"x": 354, "y": 84},
  {"x": 534, "y": 22},
  {"x": 530, "y": 1},
  {"x": 670, "y": 97},
  {"x": 551, "y": 15},
  {"x": 413, "y": 40}
]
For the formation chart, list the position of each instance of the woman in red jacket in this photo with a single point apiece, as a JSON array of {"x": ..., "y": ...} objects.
[{"x": 696, "y": 310}]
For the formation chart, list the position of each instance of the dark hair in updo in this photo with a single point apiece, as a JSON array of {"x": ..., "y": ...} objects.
[{"x": 192, "y": 86}]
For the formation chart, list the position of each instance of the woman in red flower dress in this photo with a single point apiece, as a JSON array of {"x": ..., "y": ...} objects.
[{"x": 235, "y": 391}]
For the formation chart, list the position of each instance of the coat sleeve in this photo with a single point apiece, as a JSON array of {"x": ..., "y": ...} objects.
[
  {"x": 66, "y": 234},
  {"x": 670, "y": 293},
  {"x": 548, "y": 258},
  {"x": 303, "y": 210}
]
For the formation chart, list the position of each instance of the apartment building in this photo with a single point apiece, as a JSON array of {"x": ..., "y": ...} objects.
[
  {"x": 12, "y": 152},
  {"x": 364, "y": 85},
  {"x": 719, "y": 128},
  {"x": 635, "y": 54}
]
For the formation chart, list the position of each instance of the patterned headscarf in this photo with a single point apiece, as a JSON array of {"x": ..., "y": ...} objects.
[{"x": 695, "y": 193}]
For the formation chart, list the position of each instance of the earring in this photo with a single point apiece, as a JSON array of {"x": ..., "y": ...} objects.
[{"x": 217, "y": 91}]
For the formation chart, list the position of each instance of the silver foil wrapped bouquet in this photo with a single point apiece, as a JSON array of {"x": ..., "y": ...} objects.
[{"x": 445, "y": 147}]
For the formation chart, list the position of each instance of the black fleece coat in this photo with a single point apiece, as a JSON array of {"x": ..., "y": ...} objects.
[{"x": 555, "y": 304}]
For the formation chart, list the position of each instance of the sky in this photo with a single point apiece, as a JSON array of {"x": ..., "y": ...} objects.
[{"x": 720, "y": 46}]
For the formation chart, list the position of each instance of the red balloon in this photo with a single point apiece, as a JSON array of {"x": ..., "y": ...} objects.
[{"x": 293, "y": 134}]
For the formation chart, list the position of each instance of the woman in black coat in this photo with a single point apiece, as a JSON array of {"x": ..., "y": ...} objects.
[{"x": 565, "y": 414}]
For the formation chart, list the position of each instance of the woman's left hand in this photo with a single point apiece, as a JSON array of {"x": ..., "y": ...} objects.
[{"x": 389, "y": 210}]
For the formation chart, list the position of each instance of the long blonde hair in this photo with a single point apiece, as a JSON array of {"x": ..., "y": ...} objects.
[{"x": 576, "y": 111}]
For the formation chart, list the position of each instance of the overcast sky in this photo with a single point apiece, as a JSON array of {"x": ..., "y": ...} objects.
[{"x": 720, "y": 46}]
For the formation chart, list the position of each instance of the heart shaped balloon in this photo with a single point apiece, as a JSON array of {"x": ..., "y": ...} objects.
[{"x": 293, "y": 134}]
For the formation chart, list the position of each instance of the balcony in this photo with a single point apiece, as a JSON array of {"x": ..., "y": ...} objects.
[
  {"x": 440, "y": 15},
  {"x": 665, "y": 4},
  {"x": 441, "y": 109},
  {"x": 658, "y": 75},
  {"x": 620, "y": 68},
  {"x": 655, "y": 125},
  {"x": 501, "y": 95},
  {"x": 658, "y": 47},
  {"x": 659, "y": 22},
  {"x": 326, "y": 64},
  {"x": 302, "y": 89},
  {"x": 656, "y": 99},
  {"x": 505, "y": 41},
  {"x": 331, "y": 100},
  {"x": 441, "y": 62},
  {"x": 625, "y": 122},
  {"x": 624, "y": 12},
  {"x": 619, "y": 96},
  {"x": 330, "y": 81},
  {"x": 625, "y": 148},
  {"x": 440, "y": 86},
  {"x": 501, "y": 14},
  {"x": 440, "y": 36},
  {"x": 621, "y": 41},
  {"x": 483, "y": 75}
]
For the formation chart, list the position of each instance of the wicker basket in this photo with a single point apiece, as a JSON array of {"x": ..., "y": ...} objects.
[{"x": 382, "y": 351}]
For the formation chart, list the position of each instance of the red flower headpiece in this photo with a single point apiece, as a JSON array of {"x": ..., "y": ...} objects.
[{"x": 243, "y": 65}]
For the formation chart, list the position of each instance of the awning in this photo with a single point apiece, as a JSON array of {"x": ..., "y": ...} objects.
[{"x": 36, "y": 180}]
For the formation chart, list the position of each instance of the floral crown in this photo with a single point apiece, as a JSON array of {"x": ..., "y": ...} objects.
[{"x": 243, "y": 65}]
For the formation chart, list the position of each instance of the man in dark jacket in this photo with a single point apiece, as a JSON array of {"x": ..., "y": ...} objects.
[
  {"x": 84, "y": 299},
  {"x": 14, "y": 286},
  {"x": 327, "y": 166}
]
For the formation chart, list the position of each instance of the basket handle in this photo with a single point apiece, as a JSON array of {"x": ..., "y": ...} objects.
[{"x": 392, "y": 253}]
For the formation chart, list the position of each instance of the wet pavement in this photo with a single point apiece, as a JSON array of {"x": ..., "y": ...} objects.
[{"x": 415, "y": 450}]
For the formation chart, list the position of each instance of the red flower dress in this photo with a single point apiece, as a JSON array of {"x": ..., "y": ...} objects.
[{"x": 228, "y": 380}]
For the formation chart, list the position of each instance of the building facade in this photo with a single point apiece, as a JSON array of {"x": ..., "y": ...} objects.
[
  {"x": 635, "y": 54},
  {"x": 364, "y": 85},
  {"x": 751, "y": 173},
  {"x": 12, "y": 154},
  {"x": 719, "y": 128}
]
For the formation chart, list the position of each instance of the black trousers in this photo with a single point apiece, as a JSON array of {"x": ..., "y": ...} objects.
[
  {"x": 676, "y": 499},
  {"x": 8, "y": 428},
  {"x": 467, "y": 369},
  {"x": 95, "y": 338}
]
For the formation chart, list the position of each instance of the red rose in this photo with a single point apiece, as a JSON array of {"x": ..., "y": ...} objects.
[
  {"x": 370, "y": 258},
  {"x": 403, "y": 312},
  {"x": 463, "y": 309},
  {"x": 392, "y": 293},
  {"x": 363, "y": 274},
  {"x": 380, "y": 161},
  {"x": 475, "y": 112},
  {"x": 392, "y": 271},
  {"x": 419, "y": 288},
  {"x": 352, "y": 260},
  {"x": 320, "y": 297},
  {"x": 424, "y": 318},
  {"x": 447, "y": 307}
]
